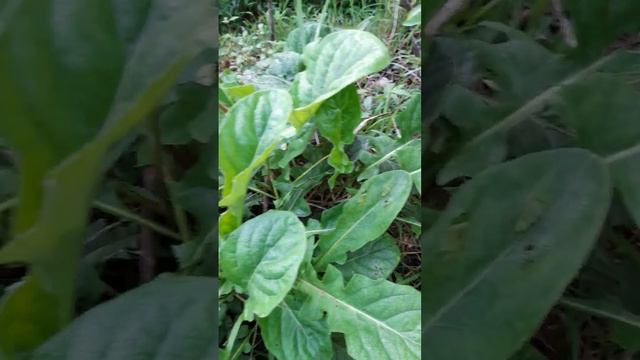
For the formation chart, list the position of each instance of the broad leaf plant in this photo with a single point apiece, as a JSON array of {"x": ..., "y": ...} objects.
[{"x": 305, "y": 282}]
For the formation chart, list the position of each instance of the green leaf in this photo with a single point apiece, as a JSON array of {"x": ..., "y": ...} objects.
[
  {"x": 379, "y": 319},
  {"x": 409, "y": 120},
  {"x": 248, "y": 134},
  {"x": 57, "y": 183},
  {"x": 45, "y": 116},
  {"x": 294, "y": 146},
  {"x": 364, "y": 217},
  {"x": 284, "y": 65},
  {"x": 618, "y": 138},
  {"x": 506, "y": 247},
  {"x": 262, "y": 258},
  {"x": 414, "y": 17},
  {"x": 598, "y": 23},
  {"x": 390, "y": 149},
  {"x": 376, "y": 260},
  {"x": 291, "y": 333},
  {"x": 338, "y": 60},
  {"x": 27, "y": 299},
  {"x": 336, "y": 119},
  {"x": 294, "y": 192},
  {"x": 168, "y": 318},
  {"x": 410, "y": 160},
  {"x": 184, "y": 119},
  {"x": 519, "y": 96},
  {"x": 300, "y": 37}
]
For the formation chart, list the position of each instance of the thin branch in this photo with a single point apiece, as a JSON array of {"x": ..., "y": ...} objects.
[
  {"x": 126, "y": 214},
  {"x": 446, "y": 12}
]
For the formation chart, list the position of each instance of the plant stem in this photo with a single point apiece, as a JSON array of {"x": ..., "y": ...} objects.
[
  {"x": 126, "y": 214},
  {"x": 238, "y": 351},
  {"x": 318, "y": 232},
  {"x": 448, "y": 10},
  {"x": 232, "y": 338},
  {"x": 299, "y": 13},
  {"x": 323, "y": 14}
]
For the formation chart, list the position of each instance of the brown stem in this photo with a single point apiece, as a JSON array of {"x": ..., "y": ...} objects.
[
  {"x": 146, "y": 239},
  {"x": 272, "y": 27}
]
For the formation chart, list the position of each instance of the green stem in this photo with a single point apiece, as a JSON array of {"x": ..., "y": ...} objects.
[
  {"x": 323, "y": 14},
  {"x": 126, "y": 214},
  {"x": 410, "y": 222},
  {"x": 238, "y": 351},
  {"x": 299, "y": 13},
  {"x": 410, "y": 279},
  {"x": 256, "y": 190},
  {"x": 318, "y": 232},
  {"x": 232, "y": 338}
]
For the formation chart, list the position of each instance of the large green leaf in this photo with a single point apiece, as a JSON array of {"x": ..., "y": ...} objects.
[
  {"x": 339, "y": 59},
  {"x": 291, "y": 333},
  {"x": 365, "y": 216},
  {"x": 379, "y": 319},
  {"x": 505, "y": 249},
  {"x": 57, "y": 181},
  {"x": 262, "y": 258},
  {"x": 248, "y": 134},
  {"x": 336, "y": 119},
  {"x": 169, "y": 318},
  {"x": 618, "y": 138}
]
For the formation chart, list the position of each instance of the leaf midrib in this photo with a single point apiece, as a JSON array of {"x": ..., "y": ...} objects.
[
  {"x": 351, "y": 308},
  {"x": 460, "y": 294},
  {"x": 533, "y": 104},
  {"x": 344, "y": 235}
]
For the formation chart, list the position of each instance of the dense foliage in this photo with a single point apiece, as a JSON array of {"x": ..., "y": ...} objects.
[
  {"x": 316, "y": 199},
  {"x": 107, "y": 116},
  {"x": 532, "y": 184}
]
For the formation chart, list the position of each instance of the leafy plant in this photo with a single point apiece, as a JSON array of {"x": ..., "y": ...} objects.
[
  {"x": 304, "y": 282},
  {"x": 78, "y": 78},
  {"x": 535, "y": 138}
]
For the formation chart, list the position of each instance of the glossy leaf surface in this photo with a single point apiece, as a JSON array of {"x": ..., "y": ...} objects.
[
  {"x": 291, "y": 333},
  {"x": 300, "y": 37},
  {"x": 262, "y": 258},
  {"x": 336, "y": 119},
  {"x": 336, "y": 61},
  {"x": 379, "y": 319},
  {"x": 248, "y": 134},
  {"x": 365, "y": 216}
]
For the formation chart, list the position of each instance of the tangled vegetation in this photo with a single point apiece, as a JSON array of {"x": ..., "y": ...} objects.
[
  {"x": 319, "y": 149},
  {"x": 532, "y": 183}
]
